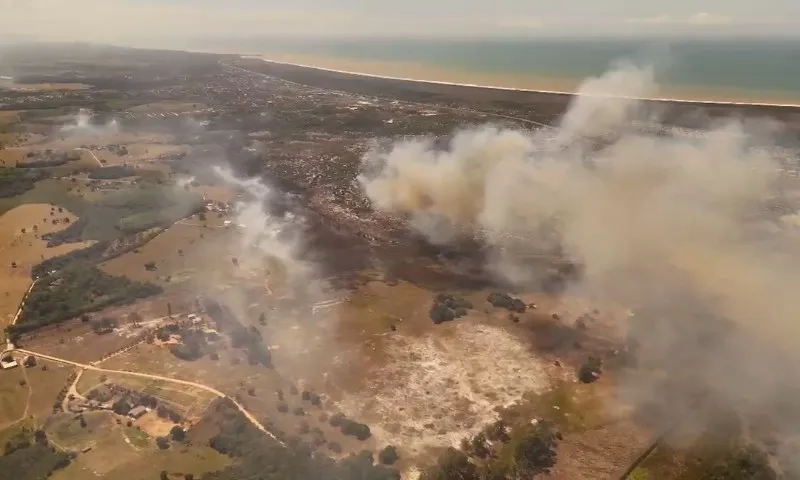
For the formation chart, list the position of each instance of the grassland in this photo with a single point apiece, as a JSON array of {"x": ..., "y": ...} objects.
[
  {"x": 45, "y": 380},
  {"x": 13, "y": 396},
  {"x": 178, "y": 254},
  {"x": 118, "y": 451}
]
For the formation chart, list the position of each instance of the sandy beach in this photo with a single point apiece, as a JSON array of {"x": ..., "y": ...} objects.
[{"x": 421, "y": 72}]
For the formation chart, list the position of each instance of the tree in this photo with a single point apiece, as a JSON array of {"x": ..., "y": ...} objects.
[
  {"x": 452, "y": 465},
  {"x": 388, "y": 456},
  {"x": 164, "y": 475},
  {"x": 82, "y": 421},
  {"x": 162, "y": 442},
  {"x": 121, "y": 406},
  {"x": 177, "y": 433},
  {"x": 40, "y": 436},
  {"x": 135, "y": 318},
  {"x": 262, "y": 319},
  {"x": 533, "y": 450}
]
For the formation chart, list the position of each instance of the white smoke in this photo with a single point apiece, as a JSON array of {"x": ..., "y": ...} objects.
[
  {"x": 674, "y": 222},
  {"x": 269, "y": 241},
  {"x": 82, "y": 124}
]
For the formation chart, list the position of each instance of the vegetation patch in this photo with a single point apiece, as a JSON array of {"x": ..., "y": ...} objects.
[
  {"x": 29, "y": 456},
  {"x": 449, "y": 307},
  {"x": 498, "y": 452},
  {"x": 261, "y": 458},
  {"x": 76, "y": 289},
  {"x": 504, "y": 300},
  {"x": 132, "y": 210},
  {"x": 16, "y": 181}
]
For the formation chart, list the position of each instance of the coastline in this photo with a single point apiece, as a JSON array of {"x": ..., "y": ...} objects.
[{"x": 548, "y": 86}]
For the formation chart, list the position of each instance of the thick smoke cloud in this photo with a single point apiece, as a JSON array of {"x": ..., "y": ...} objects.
[{"x": 673, "y": 224}]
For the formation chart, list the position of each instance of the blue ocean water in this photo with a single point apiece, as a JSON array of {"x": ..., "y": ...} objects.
[{"x": 761, "y": 66}]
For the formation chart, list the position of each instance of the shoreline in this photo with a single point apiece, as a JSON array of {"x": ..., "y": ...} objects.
[{"x": 521, "y": 90}]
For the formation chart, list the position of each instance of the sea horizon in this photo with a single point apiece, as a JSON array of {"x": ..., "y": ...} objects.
[{"x": 741, "y": 70}]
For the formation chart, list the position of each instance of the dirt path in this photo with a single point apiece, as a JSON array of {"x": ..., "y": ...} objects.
[
  {"x": 99, "y": 163},
  {"x": 250, "y": 417}
]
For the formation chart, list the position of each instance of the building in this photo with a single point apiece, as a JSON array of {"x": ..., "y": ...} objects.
[
  {"x": 8, "y": 362},
  {"x": 137, "y": 412}
]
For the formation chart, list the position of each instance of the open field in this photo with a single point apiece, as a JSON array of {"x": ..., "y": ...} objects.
[
  {"x": 8, "y": 117},
  {"x": 20, "y": 251},
  {"x": 43, "y": 87},
  {"x": 179, "y": 253},
  {"x": 45, "y": 385},
  {"x": 13, "y": 396},
  {"x": 103, "y": 440},
  {"x": 178, "y": 460}
]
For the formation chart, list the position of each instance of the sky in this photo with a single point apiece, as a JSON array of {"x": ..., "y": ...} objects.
[{"x": 164, "y": 21}]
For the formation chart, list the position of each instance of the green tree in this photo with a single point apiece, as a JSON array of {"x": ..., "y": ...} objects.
[{"x": 452, "y": 465}]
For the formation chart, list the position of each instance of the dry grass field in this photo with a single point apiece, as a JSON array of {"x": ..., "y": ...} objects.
[
  {"x": 19, "y": 251},
  {"x": 13, "y": 396},
  {"x": 45, "y": 380},
  {"x": 9, "y": 117},
  {"x": 179, "y": 253}
]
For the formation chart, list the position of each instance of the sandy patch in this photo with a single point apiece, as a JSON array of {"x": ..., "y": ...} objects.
[
  {"x": 434, "y": 391},
  {"x": 154, "y": 425}
]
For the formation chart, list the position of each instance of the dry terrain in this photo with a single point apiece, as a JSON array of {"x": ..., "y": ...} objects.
[{"x": 19, "y": 251}]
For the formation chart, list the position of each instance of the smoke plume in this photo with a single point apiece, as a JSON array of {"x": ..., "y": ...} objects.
[{"x": 673, "y": 223}]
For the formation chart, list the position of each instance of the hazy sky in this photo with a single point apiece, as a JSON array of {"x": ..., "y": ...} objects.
[{"x": 157, "y": 20}]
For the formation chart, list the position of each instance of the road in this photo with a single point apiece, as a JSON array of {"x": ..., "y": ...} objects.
[
  {"x": 99, "y": 163},
  {"x": 250, "y": 417}
]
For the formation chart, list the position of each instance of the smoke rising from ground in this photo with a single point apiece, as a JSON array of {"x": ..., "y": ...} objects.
[
  {"x": 82, "y": 124},
  {"x": 669, "y": 224},
  {"x": 269, "y": 240}
]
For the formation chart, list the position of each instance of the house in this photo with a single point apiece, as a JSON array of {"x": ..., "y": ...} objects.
[
  {"x": 8, "y": 362},
  {"x": 137, "y": 412}
]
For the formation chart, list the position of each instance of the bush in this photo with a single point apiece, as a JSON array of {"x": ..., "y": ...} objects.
[
  {"x": 177, "y": 434},
  {"x": 503, "y": 300},
  {"x": 335, "y": 447},
  {"x": 590, "y": 370},
  {"x": 162, "y": 442},
  {"x": 388, "y": 456},
  {"x": 355, "y": 429},
  {"x": 336, "y": 420},
  {"x": 448, "y": 307}
]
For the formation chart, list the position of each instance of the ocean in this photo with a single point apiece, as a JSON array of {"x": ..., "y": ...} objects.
[{"x": 734, "y": 69}]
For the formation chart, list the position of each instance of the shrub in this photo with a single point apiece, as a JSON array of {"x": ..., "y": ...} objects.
[{"x": 388, "y": 456}]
